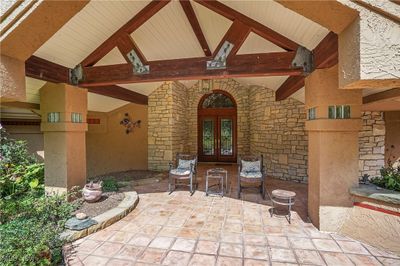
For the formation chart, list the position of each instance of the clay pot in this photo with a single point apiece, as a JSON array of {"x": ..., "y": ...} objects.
[{"x": 92, "y": 192}]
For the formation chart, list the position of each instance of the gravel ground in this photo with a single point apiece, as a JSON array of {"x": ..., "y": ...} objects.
[{"x": 108, "y": 201}]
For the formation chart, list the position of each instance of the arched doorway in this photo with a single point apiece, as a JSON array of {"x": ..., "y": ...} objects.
[{"x": 217, "y": 127}]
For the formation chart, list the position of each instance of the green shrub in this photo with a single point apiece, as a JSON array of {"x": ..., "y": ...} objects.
[
  {"x": 390, "y": 177},
  {"x": 110, "y": 185},
  {"x": 30, "y": 228},
  {"x": 30, "y": 222},
  {"x": 19, "y": 171}
]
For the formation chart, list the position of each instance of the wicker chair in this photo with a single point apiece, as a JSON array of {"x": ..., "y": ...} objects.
[
  {"x": 251, "y": 170},
  {"x": 185, "y": 169}
]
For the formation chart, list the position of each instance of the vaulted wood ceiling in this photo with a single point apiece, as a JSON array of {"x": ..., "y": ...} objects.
[{"x": 177, "y": 38}]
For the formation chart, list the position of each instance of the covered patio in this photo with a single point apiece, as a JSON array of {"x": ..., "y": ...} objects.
[
  {"x": 97, "y": 87},
  {"x": 180, "y": 229}
]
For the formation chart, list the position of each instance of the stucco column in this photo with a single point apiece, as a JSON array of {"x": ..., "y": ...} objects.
[
  {"x": 332, "y": 149},
  {"x": 64, "y": 108},
  {"x": 12, "y": 76}
]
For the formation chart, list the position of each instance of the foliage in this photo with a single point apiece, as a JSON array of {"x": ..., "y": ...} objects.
[
  {"x": 30, "y": 222},
  {"x": 19, "y": 171},
  {"x": 110, "y": 185},
  {"x": 30, "y": 228},
  {"x": 390, "y": 177}
]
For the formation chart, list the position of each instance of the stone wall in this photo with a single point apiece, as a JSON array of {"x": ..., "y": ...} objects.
[
  {"x": 277, "y": 130},
  {"x": 160, "y": 127},
  {"x": 264, "y": 126},
  {"x": 239, "y": 93},
  {"x": 372, "y": 144},
  {"x": 179, "y": 126},
  {"x": 167, "y": 125}
]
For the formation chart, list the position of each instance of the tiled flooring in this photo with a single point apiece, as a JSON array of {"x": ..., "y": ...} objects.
[{"x": 180, "y": 229}]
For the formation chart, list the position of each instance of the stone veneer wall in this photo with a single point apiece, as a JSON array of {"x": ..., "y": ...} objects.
[
  {"x": 264, "y": 126},
  {"x": 239, "y": 93},
  {"x": 167, "y": 127},
  {"x": 372, "y": 144},
  {"x": 278, "y": 131}
]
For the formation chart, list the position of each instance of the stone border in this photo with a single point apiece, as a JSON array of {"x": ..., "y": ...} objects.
[
  {"x": 105, "y": 219},
  {"x": 370, "y": 191}
]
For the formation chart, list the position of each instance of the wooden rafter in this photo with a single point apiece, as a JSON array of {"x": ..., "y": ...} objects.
[
  {"x": 118, "y": 92},
  {"x": 236, "y": 35},
  {"x": 125, "y": 44},
  {"x": 42, "y": 69},
  {"x": 139, "y": 19},
  {"x": 325, "y": 55},
  {"x": 191, "y": 16},
  {"x": 290, "y": 86},
  {"x": 255, "y": 26},
  {"x": 249, "y": 65},
  {"x": 382, "y": 96}
]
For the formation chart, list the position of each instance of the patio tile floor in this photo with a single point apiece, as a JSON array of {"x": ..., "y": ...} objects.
[{"x": 180, "y": 229}]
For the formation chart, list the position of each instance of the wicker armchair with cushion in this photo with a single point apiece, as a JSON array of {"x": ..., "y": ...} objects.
[
  {"x": 186, "y": 167},
  {"x": 251, "y": 170}
]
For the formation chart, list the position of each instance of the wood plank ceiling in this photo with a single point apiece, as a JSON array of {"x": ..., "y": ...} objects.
[{"x": 164, "y": 31}]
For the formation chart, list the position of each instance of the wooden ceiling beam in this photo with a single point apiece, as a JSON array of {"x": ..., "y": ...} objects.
[
  {"x": 268, "y": 64},
  {"x": 118, "y": 92},
  {"x": 382, "y": 96},
  {"x": 42, "y": 69},
  {"x": 325, "y": 55},
  {"x": 236, "y": 35},
  {"x": 290, "y": 86},
  {"x": 256, "y": 27},
  {"x": 38, "y": 68},
  {"x": 125, "y": 44},
  {"x": 191, "y": 16},
  {"x": 138, "y": 20},
  {"x": 22, "y": 105}
]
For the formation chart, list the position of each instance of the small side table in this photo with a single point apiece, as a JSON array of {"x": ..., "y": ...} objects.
[
  {"x": 220, "y": 174},
  {"x": 284, "y": 198}
]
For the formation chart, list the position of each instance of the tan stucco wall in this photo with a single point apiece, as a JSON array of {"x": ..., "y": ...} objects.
[
  {"x": 379, "y": 229},
  {"x": 109, "y": 148},
  {"x": 368, "y": 50},
  {"x": 12, "y": 79},
  {"x": 64, "y": 141},
  {"x": 333, "y": 160},
  {"x": 392, "y": 147}
]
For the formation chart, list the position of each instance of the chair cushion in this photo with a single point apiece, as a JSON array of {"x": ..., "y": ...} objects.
[
  {"x": 180, "y": 171},
  {"x": 251, "y": 174},
  {"x": 185, "y": 164},
  {"x": 251, "y": 166}
]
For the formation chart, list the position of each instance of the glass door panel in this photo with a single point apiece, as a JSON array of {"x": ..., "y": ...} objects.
[
  {"x": 226, "y": 137},
  {"x": 208, "y": 137}
]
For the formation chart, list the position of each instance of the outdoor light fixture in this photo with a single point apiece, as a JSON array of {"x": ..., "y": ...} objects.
[{"x": 129, "y": 124}]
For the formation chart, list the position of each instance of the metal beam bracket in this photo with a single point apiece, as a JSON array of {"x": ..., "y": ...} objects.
[
  {"x": 219, "y": 62},
  {"x": 76, "y": 75},
  {"x": 138, "y": 67},
  {"x": 304, "y": 59}
]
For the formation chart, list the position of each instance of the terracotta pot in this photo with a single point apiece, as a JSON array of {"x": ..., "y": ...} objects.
[{"x": 92, "y": 192}]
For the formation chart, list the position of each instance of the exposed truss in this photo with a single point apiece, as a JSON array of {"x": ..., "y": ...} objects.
[{"x": 222, "y": 63}]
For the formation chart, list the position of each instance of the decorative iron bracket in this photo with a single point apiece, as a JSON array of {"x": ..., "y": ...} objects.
[
  {"x": 219, "y": 62},
  {"x": 304, "y": 59},
  {"x": 76, "y": 75},
  {"x": 138, "y": 67}
]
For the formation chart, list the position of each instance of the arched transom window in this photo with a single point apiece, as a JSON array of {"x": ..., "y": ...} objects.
[{"x": 217, "y": 100}]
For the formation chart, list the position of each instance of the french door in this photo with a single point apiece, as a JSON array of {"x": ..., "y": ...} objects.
[{"x": 217, "y": 138}]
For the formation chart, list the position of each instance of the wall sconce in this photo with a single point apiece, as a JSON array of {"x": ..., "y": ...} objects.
[{"x": 129, "y": 124}]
